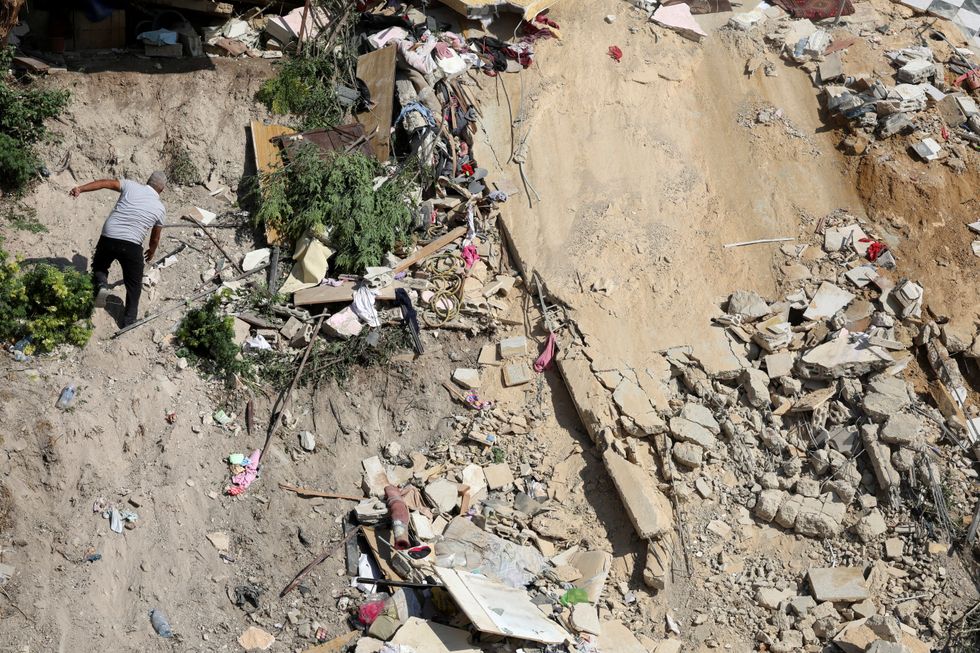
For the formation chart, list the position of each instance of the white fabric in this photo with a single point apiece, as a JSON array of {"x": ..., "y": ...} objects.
[{"x": 137, "y": 210}]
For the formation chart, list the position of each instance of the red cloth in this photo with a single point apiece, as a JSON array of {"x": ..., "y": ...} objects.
[
  {"x": 875, "y": 249},
  {"x": 615, "y": 53},
  {"x": 544, "y": 360},
  {"x": 470, "y": 256},
  {"x": 467, "y": 168}
]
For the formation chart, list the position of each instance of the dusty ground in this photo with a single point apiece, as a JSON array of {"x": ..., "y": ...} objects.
[{"x": 644, "y": 168}]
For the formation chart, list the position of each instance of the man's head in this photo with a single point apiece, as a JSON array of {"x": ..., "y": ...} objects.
[{"x": 157, "y": 181}]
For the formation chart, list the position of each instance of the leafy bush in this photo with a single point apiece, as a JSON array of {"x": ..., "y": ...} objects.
[
  {"x": 47, "y": 305},
  {"x": 23, "y": 217},
  {"x": 208, "y": 339},
  {"x": 311, "y": 194},
  {"x": 305, "y": 87},
  {"x": 22, "y": 115}
]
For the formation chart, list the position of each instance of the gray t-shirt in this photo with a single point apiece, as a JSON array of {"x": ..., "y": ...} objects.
[{"x": 138, "y": 209}]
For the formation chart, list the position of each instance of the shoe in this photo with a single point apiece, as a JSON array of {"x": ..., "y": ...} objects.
[{"x": 101, "y": 296}]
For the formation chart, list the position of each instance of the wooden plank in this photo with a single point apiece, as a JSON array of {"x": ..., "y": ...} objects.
[
  {"x": 268, "y": 156},
  {"x": 335, "y": 645},
  {"x": 430, "y": 249},
  {"x": 30, "y": 63},
  {"x": 337, "y": 294},
  {"x": 377, "y": 69},
  {"x": 202, "y": 6}
]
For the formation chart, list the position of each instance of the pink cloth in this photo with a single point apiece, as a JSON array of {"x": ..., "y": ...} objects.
[
  {"x": 443, "y": 51},
  {"x": 544, "y": 360},
  {"x": 243, "y": 480},
  {"x": 470, "y": 256}
]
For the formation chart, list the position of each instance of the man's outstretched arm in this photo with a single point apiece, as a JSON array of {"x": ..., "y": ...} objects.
[
  {"x": 100, "y": 184},
  {"x": 154, "y": 243}
]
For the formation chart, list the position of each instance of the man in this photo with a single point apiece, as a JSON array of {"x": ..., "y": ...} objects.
[{"x": 137, "y": 211}]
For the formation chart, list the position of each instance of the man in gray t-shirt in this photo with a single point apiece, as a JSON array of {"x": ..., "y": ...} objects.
[{"x": 138, "y": 211}]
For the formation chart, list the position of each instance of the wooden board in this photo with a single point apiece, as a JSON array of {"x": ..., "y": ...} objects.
[
  {"x": 377, "y": 70},
  {"x": 336, "y": 294},
  {"x": 430, "y": 249},
  {"x": 268, "y": 157}
]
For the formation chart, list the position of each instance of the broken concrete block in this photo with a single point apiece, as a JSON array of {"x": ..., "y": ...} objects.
[
  {"x": 756, "y": 386},
  {"x": 917, "y": 71},
  {"x": 779, "y": 365},
  {"x": 838, "y": 584},
  {"x": 770, "y": 597},
  {"x": 827, "y": 301},
  {"x": 343, "y": 324},
  {"x": 788, "y": 511},
  {"x": 634, "y": 404},
  {"x": 467, "y": 377},
  {"x": 816, "y": 524},
  {"x": 901, "y": 429},
  {"x": 657, "y": 567},
  {"x": 614, "y": 637},
  {"x": 871, "y": 526},
  {"x": 648, "y": 508},
  {"x": 894, "y": 548},
  {"x": 513, "y": 347},
  {"x": 700, "y": 415},
  {"x": 422, "y": 526},
  {"x": 747, "y": 304},
  {"x": 684, "y": 430},
  {"x": 375, "y": 479},
  {"x": 501, "y": 285},
  {"x": 255, "y": 258},
  {"x": 516, "y": 374},
  {"x": 841, "y": 358},
  {"x": 585, "y": 618},
  {"x": 498, "y": 476},
  {"x": 474, "y": 478},
  {"x": 688, "y": 455},
  {"x": 927, "y": 149},
  {"x": 831, "y": 68},
  {"x": 767, "y": 504},
  {"x": 895, "y": 123},
  {"x": 885, "y": 397},
  {"x": 443, "y": 495},
  {"x": 488, "y": 355}
]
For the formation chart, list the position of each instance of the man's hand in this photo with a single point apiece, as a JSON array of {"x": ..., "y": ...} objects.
[
  {"x": 76, "y": 191},
  {"x": 148, "y": 255}
]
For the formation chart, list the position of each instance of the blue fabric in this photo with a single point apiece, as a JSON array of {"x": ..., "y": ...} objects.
[{"x": 421, "y": 108}]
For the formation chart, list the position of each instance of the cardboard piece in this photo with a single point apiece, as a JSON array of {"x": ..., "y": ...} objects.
[
  {"x": 500, "y": 610},
  {"x": 310, "y": 265}
]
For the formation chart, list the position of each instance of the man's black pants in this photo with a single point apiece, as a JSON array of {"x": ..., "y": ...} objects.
[{"x": 130, "y": 257}]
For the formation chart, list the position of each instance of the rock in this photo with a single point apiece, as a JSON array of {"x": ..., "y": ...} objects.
[
  {"x": 881, "y": 646},
  {"x": 684, "y": 430},
  {"x": 779, "y": 365},
  {"x": 443, "y": 495},
  {"x": 789, "y": 511},
  {"x": 826, "y": 627},
  {"x": 422, "y": 526},
  {"x": 864, "y": 609},
  {"x": 808, "y": 487},
  {"x": 756, "y": 386},
  {"x": 902, "y": 429},
  {"x": 828, "y": 299},
  {"x": 885, "y": 397},
  {"x": 375, "y": 479},
  {"x": 634, "y": 404},
  {"x": 894, "y": 548},
  {"x": 957, "y": 335},
  {"x": 801, "y": 605},
  {"x": 770, "y": 597},
  {"x": 838, "y": 584},
  {"x": 816, "y": 524},
  {"x": 792, "y": 640},
  {"x": 585, "y": 618},
  {"x": 841, "y": 358},
  {"x": 220, "y": 540},
  {"x": 513, "y": 347},
  {"x": 700, "y": 415},
  {"x": 687, "y": 454},
  {"x": 307, "y": 441},
  {"x": 668, "y": 646},
  {"x": 467, "y": 377},
  {"x": 488, "y": 355},
  {"x": 879, "y": 455},
  {"x": 703, "y": 486},
  {"x": 474, "y": 477},
  {"x": 767, "y": 504},
  {"x": 498, "y": 476},
  {"x": 256, "y": 639},
  {"x": 648, "y": 508},
  {"x": 747, "y": 304},
  {"x": 516, "y": 374},
  {"x": 343, "y": 324},
  {"x": 657, "y": 567},
  {"x": 871, "y": 526},
  {"x": 903, "y": 460},
  {"x": 614, "y": 637},
  {"x": 885, "y": 627},
  {"x": 368, "y": 645}
]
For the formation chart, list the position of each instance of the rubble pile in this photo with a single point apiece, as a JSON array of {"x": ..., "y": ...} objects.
[{"x": 814, "y": 432}]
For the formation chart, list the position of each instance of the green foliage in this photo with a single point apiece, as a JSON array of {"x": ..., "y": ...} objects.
[
  {"x": 207, "y": 338},
  {"x": 180, "y": 168},
  {"x": 305, "y": 87},
  {"x": 312, "y": 194},
  {"x": 23, "y": 111},
  {"x": 48, "y": 305},
  {"x": 23, "y": 217}
]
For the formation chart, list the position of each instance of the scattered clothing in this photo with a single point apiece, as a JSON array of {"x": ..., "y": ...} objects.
[
  {"x": 470, "y": 256},
  {"x": 615, "y": 53},
  {"x": 547, "y": 356},
  {"x": 240, "y": 482},
  {"x": 363, "y": 306}
]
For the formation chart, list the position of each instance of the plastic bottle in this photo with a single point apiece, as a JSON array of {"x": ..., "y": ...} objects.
[
  {"x": 67, "y": 396},
  {"x": 160, "y": 623}
]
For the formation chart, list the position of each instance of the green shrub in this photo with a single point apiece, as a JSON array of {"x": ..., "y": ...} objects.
[
  {"x": 207, "y": 338},
  {"x": 311, "y": 194},
  {"x": 23, "y": 217},
  {"x": 180, "y": 169},
  {"x": 47, "y": 305},
  {"x": 23, "y": 111},
  {"x": 305, "y": 87}
]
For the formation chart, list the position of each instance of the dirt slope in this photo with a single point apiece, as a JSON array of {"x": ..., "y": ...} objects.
[{"x": 647, "y": 167}]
